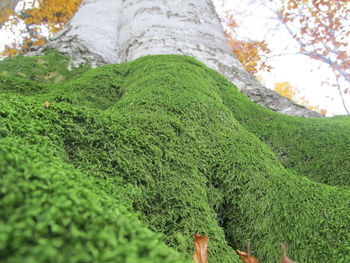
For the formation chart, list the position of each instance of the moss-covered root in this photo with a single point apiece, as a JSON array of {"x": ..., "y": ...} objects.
[
  {"x": 50, "y": 212},
  {"x": 168, "y": 142}
]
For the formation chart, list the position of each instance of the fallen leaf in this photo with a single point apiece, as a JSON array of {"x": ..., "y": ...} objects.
[
  {"x": 245, "y": 256},
  {"x": 200, "y": 249},
  {"x": 284, "y": 258}
]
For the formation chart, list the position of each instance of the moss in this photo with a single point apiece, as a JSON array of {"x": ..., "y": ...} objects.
[
  {"x": 51, "y": 67},
  {"x": 128, "y": 161},
  {"x": 317, "y": 148}
]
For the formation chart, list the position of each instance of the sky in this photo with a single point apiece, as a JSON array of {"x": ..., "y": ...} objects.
[{"x": 257, "y": 22}]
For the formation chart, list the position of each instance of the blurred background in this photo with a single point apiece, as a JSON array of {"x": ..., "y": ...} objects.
[{"x": 298, "y": 48}]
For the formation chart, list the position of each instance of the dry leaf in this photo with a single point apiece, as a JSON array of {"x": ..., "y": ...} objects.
[
  {"x": 200, "y": 249},
  {"x": 245, "y": 256},
  {"x": 284, "y": 258},
  {"x": 47, "y": 104}
]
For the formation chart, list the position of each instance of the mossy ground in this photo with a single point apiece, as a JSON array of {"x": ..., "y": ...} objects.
[{"x": 128, "y": 161}]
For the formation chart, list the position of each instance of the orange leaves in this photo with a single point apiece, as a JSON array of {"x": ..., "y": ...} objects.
[
  {"x": 342, "y": 55},
  {"x": 246, "y": 257},
  {"x": 231, "y": 22},
  {"x": 321, "y": 28},
  {"x": 6, "y": 10},
  {"x": 4, "y": 15},
  {"x": 250, "y": 54},
  {"x": 200, "y": 249},
  {"x": 10, "y": 51},
  {"x": 201, "y": 254},
  {"x": 53, "y": 15}
]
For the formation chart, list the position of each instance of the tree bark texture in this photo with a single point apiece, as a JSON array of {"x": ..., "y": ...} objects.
[{"x": 116, "y": 31}]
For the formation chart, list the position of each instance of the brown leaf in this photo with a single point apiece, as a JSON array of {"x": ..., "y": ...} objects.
[
  {"x": 284, "y": 258},
  {"x": 200, "y": 249},
  {"x": 245, "y": 256}
]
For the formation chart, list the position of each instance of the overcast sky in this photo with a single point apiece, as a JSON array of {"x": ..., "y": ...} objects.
[{"x": 257, "y": 22}]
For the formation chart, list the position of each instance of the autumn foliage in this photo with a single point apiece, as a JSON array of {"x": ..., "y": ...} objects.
[
  {"x": 290, "y": 92},
  {"x": 318, "y": 26},
  {"x": 51, "y": 15},
  {"x": 321, "y": 30},
  {"x": 252, "y": 54},
  {"x": 6, "y": 10}
]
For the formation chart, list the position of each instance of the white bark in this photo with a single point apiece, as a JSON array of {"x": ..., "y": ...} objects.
[{"x": 116, "y": 31}]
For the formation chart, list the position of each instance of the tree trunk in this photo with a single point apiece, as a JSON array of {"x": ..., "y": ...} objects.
[{"x": 116, "y": 31}]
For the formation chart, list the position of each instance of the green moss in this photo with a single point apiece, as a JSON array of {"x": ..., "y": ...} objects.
[
  {"x": 52, "y": 67},
  {"x": 317, "y": 148},
  {"x": 128, "y": 161}
]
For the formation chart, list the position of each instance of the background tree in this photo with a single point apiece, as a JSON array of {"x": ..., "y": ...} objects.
[
  {"x": 152, "y": 116},
  {"x": 53, "y": 15},
  {"x": 7, "y": 8},
  {"x": 321, "y": 28},
  {"x": 41, "y": 19},
  {"x": 252, "y": 54},
  {"x": 113, "y": 32},
  {"x": 292, "y": 93}
]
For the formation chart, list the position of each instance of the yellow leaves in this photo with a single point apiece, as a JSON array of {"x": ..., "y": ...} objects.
[
  {"x": 315, "y": 108},
  {"x": 6, "y": 10},
  {"x": 39, "y": 42},
  {"x": 250, "y": 54},
  {"x": 5, "y": 14},
  {"x": 200, "y": 249},
  {"x": 287, "y": 90},
  {"x": 10, "y": 51},
  {"x": 53, "y": 14}
]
